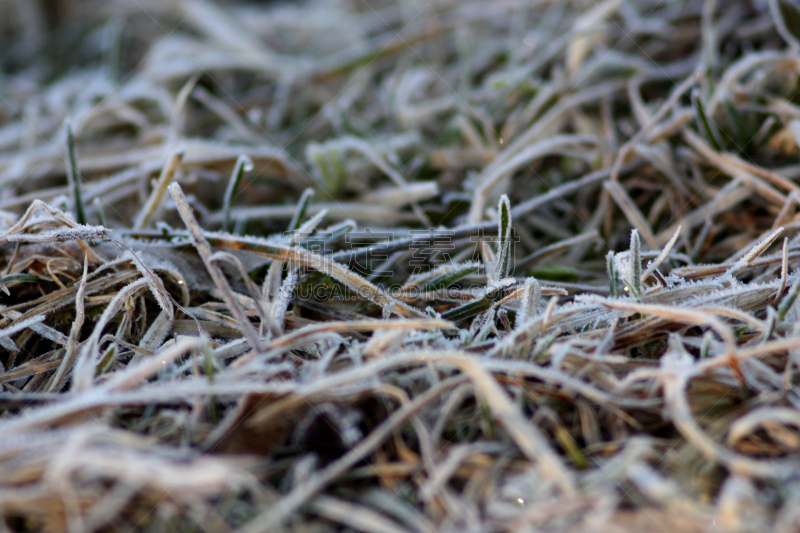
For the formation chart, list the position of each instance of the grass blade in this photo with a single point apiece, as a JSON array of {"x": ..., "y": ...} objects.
[
  {"x": 243, "y": 164},
  {"x": 635, "y": 260},
  {"x": 160, "y": 189},
  {"x": 74, "y": 178},
  {"x": 302, "y": 208},
  {"x": 502, "y": 265},
  {"x": 450, "y": 275},
  {"x": 706, "y": 125}
]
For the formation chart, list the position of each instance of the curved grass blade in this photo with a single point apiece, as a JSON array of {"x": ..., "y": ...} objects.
[
  {"x": 503, "y": 265},
  {"x": 302, "y": 208}
]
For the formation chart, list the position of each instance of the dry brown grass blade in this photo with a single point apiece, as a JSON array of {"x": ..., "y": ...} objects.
[
  {"x": 204, "y": 250},
  {"x": 275, "y": 515},
  {"x": 632, "y": 213}
]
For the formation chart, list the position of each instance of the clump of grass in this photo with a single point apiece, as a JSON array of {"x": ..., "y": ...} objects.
[{"x": 470, "y": 265}]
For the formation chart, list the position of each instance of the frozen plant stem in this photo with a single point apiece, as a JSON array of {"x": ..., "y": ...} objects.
[
  {"x": 164, "y": 179},
  {"x": 205, "y": 253}
]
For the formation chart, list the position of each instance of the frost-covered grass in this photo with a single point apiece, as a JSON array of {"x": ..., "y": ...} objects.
[{"x": 385, "y": 265}]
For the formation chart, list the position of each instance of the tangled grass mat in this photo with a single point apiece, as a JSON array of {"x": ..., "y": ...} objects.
[{"x": 399, "y": 266}]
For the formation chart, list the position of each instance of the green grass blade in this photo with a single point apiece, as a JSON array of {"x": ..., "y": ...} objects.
[
  {"x": 503, "y": 264},
  {"x": 302, "y": 208},
  {"x": 708, "y": 127},
  {"x": 473, "y": 307},
  {"x": 613, "y": 278},
  {"x": 788, "y": 300},
  {"x": 243, "y": 164},
  {"x": 74, "y": 178},
  {"x": 636, "y": 264}
]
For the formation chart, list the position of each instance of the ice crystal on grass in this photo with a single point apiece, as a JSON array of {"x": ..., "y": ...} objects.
[{"x": 496, "y": 266}]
